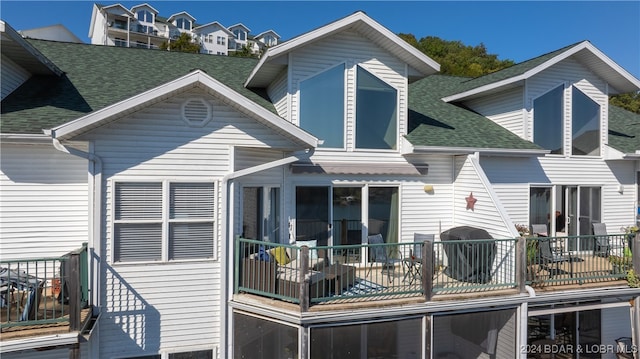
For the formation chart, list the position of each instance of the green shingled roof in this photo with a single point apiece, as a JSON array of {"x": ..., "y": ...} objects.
[
  {"x": 433, "y": 122},
  {"x": 99, "y": 76},
  {"x": 507, "y": 73},
  {"x": 624, "y": 130}
]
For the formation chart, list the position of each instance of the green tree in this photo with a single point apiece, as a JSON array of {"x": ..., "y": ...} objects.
[
  {"x": 456, "y": 58},
  {"x": 628, "y": 101},
  {"x": 244, "y": 52},
  {"x": 183, "y": 43}
]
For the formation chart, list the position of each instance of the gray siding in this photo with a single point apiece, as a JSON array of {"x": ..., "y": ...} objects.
[
  {"x": 45, "y": 201},
  {"x": 173, "y": 305},
  {"x": 12, "y": 76},
  {"x": 350, "y": 48},
  {"x": 279, "y": 96},
  {"x": 504, "y": 108}
]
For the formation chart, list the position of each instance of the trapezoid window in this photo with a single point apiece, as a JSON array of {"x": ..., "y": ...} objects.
[
  {"x": 322, "y": 106},
  {"x": 376, "y": 113},
  {"x": 585, "y": 128},
  {"x": 547, "y": 120}
]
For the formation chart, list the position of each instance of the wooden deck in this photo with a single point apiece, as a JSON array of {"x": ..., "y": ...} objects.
[{"x": 49, "y": 308}]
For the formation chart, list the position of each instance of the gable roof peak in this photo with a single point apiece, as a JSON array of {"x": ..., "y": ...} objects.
[
  {"x": 619, "y": 79},
  {"x": 272, "y": 61}
]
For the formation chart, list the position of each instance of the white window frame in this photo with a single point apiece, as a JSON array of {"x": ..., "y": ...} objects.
[{"x": 165, "y": 219}]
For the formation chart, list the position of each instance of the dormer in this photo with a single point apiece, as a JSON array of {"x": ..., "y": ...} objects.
[
  {"x": 346, "y": 83},
  {"x": 145, "y": 14},
  {"x": 268, "y": 38},
  {"x": 559, "y": 101},
  {"x": 240, "y": 35},
  {"x": 183, "y": 21}
]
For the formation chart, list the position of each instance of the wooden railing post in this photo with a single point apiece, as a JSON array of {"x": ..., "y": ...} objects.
[
  {"x": 304, "y": 281},
  {"x": 75, "y": 295},
  {"x": 427, "y": 269},
  {"x": 521, "y": 263}
]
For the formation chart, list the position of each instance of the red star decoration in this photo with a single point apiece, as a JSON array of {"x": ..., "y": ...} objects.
[{"x": 471, "y": 202}]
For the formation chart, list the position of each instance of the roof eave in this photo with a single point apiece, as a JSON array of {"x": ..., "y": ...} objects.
[
  {"x": 45, "y": 65},
  {"x": 507, "y": 152}
]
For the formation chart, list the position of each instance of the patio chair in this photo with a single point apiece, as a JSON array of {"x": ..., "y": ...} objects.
[
  {"x": 552, "y": 256},
  {"x": 413, "y": 264},
  {"x": 379, "y": 254},
  {"x": 539, "y": 230},
  {"x": 602, "y": 246}
]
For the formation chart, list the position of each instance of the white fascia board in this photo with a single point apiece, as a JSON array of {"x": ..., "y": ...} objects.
[
  {"x": 481, "y": 151},
  {"x": 266, "y": 32},
  {"x": 120, "y": 6},
  {"x": 184, "y": 13},
  {"x": 240, "y": 25},
  {"x": 192, "y": 79},
  {"x": 570, "y": 52},
  {"x": 27, "y": 48},
  {"x": 145, "y": 5},
  {"x": 39, "y": 342},
  {"x": 25, "y": 138},
  {"x": 214, "y": 23},
  {"x": 334, "y": 27}
]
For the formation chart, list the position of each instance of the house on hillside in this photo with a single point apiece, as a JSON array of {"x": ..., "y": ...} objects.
[
  {"x": 143, "y": 27},
  {"x": 314, "y": 202}
]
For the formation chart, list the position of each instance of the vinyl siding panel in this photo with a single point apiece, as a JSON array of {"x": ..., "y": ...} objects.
[
  {"x": 352, "y": 49},
  {"x": 571, "y": 73},
  {"x": 12, "y": 76},
  {"x": 278, "y": 94},
  {"x": 504, "y": 108},
  {"x": 512, "y": 177},
  {"x": 144, "y": 300},
  {"x": 45, "y": 201}
]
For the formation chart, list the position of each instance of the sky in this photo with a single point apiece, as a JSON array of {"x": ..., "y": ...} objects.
[{"x": 514, "y": 30}]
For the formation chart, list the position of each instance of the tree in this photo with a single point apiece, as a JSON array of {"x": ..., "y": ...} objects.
[
  {"x": 458, "y": 59},
  {"x": 183, "y": 43},
  {"x": 628, "y": 101},
  {"x": 244, "y": 52}
]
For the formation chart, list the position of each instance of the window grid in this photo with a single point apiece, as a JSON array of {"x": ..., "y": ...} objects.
[{"x": 163, "y": 221}]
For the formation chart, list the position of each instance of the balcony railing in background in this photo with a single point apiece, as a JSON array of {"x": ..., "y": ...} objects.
[
  {"x": 332, "y": 274},
  {"x": 44, "y": 290}
]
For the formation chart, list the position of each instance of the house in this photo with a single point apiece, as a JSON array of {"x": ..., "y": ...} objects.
[
  {"x": 57, "y": 32},
  {"x": 141, "y": 26},
  {"x": 230, "y": 206}
]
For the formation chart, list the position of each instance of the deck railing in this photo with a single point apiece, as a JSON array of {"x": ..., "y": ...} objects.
[
  {"x": 578, "y": 259},
  {"x": 331, "y": 274},
  {"x": 44, "y": 290}
]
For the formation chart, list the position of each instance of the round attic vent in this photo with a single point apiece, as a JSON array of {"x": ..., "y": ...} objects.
[{"x": 196, "y": 112}]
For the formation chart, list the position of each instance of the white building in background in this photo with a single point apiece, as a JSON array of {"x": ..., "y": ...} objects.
[
  {"x": 141, "y": 26},
  {"x": 56, "y": 32}
]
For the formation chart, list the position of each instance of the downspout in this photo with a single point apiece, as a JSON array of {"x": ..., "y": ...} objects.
[
  {"x": 524, "y": 319},
  {"x": 94, "y": 223},
  {"x": 227, "y": 256}
]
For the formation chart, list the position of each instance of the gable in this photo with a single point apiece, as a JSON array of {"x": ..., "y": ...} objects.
[
  {"x": 275, "y": 60},
  {"x": 89, "y": 84}
]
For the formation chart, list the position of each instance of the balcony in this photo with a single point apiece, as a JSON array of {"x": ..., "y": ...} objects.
[
  {"x": 323, "y": 275},
  {"x": 44, "y": 297}
]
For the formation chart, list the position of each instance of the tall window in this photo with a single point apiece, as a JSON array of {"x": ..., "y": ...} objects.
[
  {"x": 547, "y": 120},
  {"x": 376, "y": 108},
  {"x": 322, "y": 106},
  {"x": 156, "y": 221},
  {"x": 183, "y": 23},
  {"x": 239, "y": 34},
  {"x": 585, "y": 128},
  {"x": 144, "y": 15}
]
